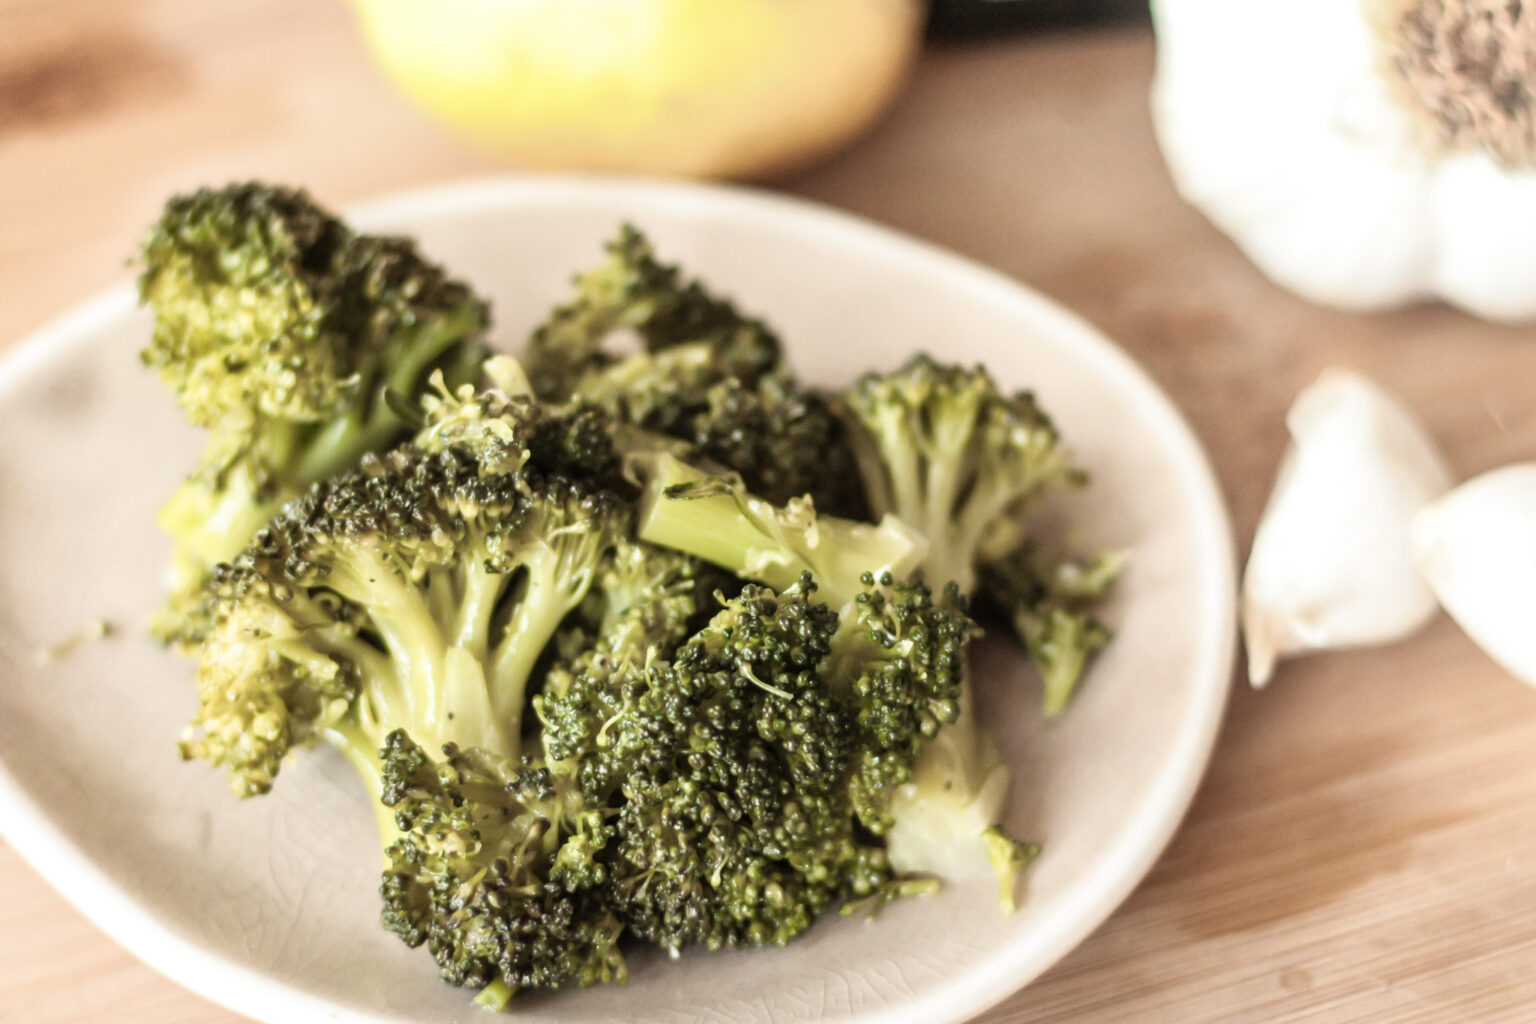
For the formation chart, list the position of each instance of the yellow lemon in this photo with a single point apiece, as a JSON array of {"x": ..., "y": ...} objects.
[{"x": 733, "y": 88}]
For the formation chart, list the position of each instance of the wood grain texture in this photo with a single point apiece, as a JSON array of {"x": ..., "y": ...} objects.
[{"x": 1364, "y": 847}]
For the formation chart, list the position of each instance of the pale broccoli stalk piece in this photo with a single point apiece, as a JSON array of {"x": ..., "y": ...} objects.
[{"x": 714, "y": 518}]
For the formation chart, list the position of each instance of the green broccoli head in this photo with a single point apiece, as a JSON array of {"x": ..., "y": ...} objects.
[
  {"x": 241, "y": 283},
  {"x": 785, "y": 441},
  {"x": 946, "y": 451},
  {"x": 432, "y": 579},
  {"x": 1049, "y": 603},
  {"x": 510, "y": 431},
  {"x": 495, "y": 871},
  {"x": 734, "y": 826},
  {"x": 633, "y": 291},
  {"x": 704, "y": 374},
  {"x": 269, "y": 307},
  {"x": 267, "y": 681},
  {"x": 901, "y": 657},
  {"x": 269, "y": 311},
  {"x": 738, "y": 763},
  {"x": 295, "y": 342}
]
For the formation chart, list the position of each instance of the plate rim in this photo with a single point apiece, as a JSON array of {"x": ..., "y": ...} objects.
[{"x": 1144, "y": 837}]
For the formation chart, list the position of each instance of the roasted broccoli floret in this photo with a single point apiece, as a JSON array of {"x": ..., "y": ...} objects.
[
  {"x": 633, "y": 291},
  {"x": 705, "y": 374},
  {"x": 900, "y": 659},
  {"x": 941, "y": 449},
  {"x": 746, "y": 766},
  {"x": 909, "y": 647},
  {"x": 784, "y": 440},
  {"x": 402, "y": 611},
  {"x": 1050, "y": 604},
  {"x": 294, "y": 341},
  {"x": 496, "y": 871},
  {"x": 946, "y": 451},
  {"x": 427, "y": 583}
]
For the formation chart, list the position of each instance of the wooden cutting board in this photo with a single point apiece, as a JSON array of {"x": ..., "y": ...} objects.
[{"x": 1364, "y": 847}]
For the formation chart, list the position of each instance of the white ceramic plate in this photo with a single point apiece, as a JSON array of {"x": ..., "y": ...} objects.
[{"x": 269, "y": 906}]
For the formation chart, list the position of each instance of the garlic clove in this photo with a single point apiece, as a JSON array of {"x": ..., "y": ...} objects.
[
  {"x": 1331, "y": 565},
  {"x": 1477, "y": 548}
]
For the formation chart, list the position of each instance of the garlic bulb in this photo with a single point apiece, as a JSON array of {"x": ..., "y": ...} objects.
[
  {"x": 1477, "y": 548},
  {"x": 1364, "y": 153},
  {"x": 1330, "y": 565}
]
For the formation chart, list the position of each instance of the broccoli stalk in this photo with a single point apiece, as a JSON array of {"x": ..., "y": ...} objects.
[
  {"x": 716, "y": 519},
  {"x": 291, "y": 340}
]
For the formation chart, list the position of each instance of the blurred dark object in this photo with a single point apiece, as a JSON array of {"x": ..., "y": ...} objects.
[{"x": 961, "y": 18}]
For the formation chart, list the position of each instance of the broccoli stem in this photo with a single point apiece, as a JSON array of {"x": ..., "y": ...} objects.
[
  {"x": 434, "y": 689},
  {"x": 361, "y": 749},
  {"x": 1060, "y": 643},
  {"x": 495, "y": 996},
  {"x": 371, "y": 423},
  {"x": 556, "y": 580},
  {"x": 711, "y": 518}
]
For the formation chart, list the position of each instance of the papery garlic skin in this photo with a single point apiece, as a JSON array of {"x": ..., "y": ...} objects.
[
  {"x": 1331, "y": 564},
  {"x": 1277, "y": 122},
  {"x": 1477, "y": 548}
]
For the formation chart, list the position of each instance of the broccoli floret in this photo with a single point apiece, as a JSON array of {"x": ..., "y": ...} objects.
[
  {"x": 918, "y": 708},
  {"x": 1049, "y": 605},
  {"x": 507, "y": 430},
  {"x": 706, "y": 375},
  {"x": 403, "y": 608},
  {"x": 495, "y": 870},
  {"x": 285, "y": 335},
  {"x": 966, "y": 458},
  {"x": 633, "y": 291},
  {"x": 784, "y": 440},
  {"x": 945, "y": 450},
  {"x": 900, "y": 660},
  {"x": 427, "y": 581},
  {"x": 1008, "y": 857},
  {"x": 738, "y": 763}
]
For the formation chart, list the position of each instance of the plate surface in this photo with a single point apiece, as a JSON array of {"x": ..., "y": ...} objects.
[{"x": 269, "y": 906}]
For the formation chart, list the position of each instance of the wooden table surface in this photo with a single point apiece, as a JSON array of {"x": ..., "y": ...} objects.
[{"x": 1364, "y": 846}]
